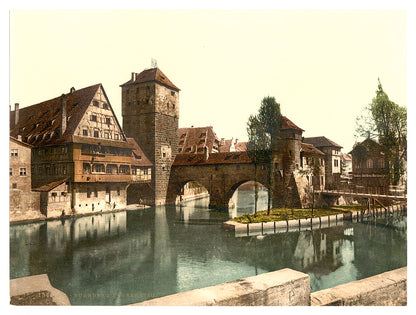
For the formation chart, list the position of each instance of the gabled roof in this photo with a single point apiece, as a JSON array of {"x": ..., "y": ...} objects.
[
  {"x": 368, "y": 144},
  {"x": 152, "y": 75},
  {"x": 39, "y": 124},
  {"x": 214, "y": 158},
  {"x": 240, "y": 146},
  {"x": 226, "y": 146},
  {"x": 307, "y": 148},
  {"x": 321, "y": 142},
  {"x": 194, "y": 139},
  {"x": 51, "y": 185},
  {"x": 138, "y": 156},
  {"x": 20, "y": 142},
  {"x": 288, "y": 124}
]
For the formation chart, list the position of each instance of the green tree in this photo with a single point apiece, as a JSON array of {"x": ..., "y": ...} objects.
[
  {"x": 257, "y": 145},
  {"x": 265, "y": 128},
  {"x": 386, "y": 122}
]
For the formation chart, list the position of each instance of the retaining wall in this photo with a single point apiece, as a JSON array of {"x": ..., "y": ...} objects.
[
  {"x": 254, "y": 229},
  {"x": 385, "y": 289}
]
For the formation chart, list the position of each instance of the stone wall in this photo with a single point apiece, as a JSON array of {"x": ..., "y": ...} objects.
[
  {"x": 385, "y": 289},
  {"x": 284, "y": 287}
]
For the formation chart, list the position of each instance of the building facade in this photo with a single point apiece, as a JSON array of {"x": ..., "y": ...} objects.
[
  {"x": 150, "y": 110},
  {"x": 76, "y": 139}
]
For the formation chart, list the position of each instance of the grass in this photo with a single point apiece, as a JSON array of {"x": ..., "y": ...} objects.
[{"x": 282, "y": 214}]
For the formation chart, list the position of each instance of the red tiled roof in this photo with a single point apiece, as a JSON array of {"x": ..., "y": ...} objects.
[
  {"x": 214, "y": 158},
  {"x": 39, "y": 124},
  {"x": 310, "y": 149},
  {"x": 138, "y": 156},
  {"x": 150, "y": 75},
  {"x": 51, "y": 185},
  {"x": 321, "y": 142},
  {"x": 240, "y": 146},
  {"x": 193, "y": 140},
  {"x": 226, "y": 146},
  {"x": 288, "y": 124}
]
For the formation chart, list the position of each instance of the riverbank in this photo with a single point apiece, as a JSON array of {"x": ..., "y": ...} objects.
[{"x": 333, "y": 216}]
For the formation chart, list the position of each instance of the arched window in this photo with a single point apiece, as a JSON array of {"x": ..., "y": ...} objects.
[
  {"x": 381, "y": 163},
  {"x": 369, "y": 163}
]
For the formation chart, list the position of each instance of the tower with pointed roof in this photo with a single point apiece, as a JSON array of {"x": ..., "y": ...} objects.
[{"x": 150, "y": 110}]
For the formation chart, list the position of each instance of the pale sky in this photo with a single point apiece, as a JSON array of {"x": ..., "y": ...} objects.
[{"x": 321, "y": 66}]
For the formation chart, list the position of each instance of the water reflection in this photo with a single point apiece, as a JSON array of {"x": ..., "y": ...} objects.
[{"x": 130, "y": 256}]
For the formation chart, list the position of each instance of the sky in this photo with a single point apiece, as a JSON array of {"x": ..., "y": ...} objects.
[{"x": 322, "y": 66}]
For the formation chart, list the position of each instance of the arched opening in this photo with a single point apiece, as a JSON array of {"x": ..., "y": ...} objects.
[
  {"x": 191, "y": 190},
  {"x": 242, "y": 198}
]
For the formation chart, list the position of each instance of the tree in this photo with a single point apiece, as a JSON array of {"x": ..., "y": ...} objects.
[
  {"x": 266, "y": 126},
  {"x": 257, "y": 144},
  {"x": 386, "y": 122}
]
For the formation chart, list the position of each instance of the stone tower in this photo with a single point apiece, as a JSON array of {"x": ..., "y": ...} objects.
[{"x": 150, "y": 110}]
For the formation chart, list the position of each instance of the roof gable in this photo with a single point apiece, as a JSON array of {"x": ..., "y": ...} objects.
[
  {"x": 40, "y": 124},
  {"x": 151, "y": 75},
  {"x": 288, "y": 124},
  {"x": 194, "y": 139},
  {"x": 105, "y": 118},
  {"x": 321, "y": 142}
]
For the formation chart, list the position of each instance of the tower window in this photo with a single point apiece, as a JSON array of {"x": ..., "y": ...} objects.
[{"x": 23, "y": 171}]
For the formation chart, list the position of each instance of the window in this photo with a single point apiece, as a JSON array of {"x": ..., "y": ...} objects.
[
  {"x": 95, "y": 133},
  {"x": 127, "y": 91},
  {"x": 124, "y": 169},
  {"x": 290, "y": 153},
  {"x": 108, "y": 121},
  {"x": 95, "y": 103},
  {"x": 173, "y": 106},
  {"x": 85, "y": 132},
  {"x": 93, "y": 117},
  {"x": 172, "y": 93},
  {"x": 95, "y": 192},
  {"x": 116, "y": 136},
  {"x": 14, "y": 152},
  {"x": 369, "y": 163},
  {"x": 23, "y": 171},
  {"x": 336, "y": 163},
  {"x": 14, "y": 185},
  {"x": 11, "y": 171},
  {"x": 98, "y": 168},
  {"x": 86, "y": 168},
  {"x": 381, "y": 163},
  {"x": 105, "y": 106},
  {"x": 106, "y": 135},
  {"x": 164, "y": 154},
  {"x": 88, "y": 193},
  {"x": 118, "y": 191}
]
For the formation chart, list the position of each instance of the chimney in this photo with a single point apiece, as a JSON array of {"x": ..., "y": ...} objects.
[
  {"x": 19, "y": 137},
  {"x": 16, "y": 113},
  {"x": 222, "y": 142},
  {"x": 206, "y": 154},
  {"x": 72, "y": 90},
  {"x": 132, "y": 76},
  {"x": 63, "y": 114},
  {"x": 236, "y": 141}
]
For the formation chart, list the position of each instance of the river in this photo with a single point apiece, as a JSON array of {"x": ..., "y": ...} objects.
[{"x": 134, "y": 255}]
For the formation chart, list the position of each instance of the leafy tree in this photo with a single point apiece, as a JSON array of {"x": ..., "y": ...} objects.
[
  {"x": 386, "y": 122},
  {"x": 257, "y": 144},
  {"x": 266, "y": 128}
]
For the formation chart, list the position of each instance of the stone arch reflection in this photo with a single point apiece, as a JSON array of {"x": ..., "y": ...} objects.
[{"x": 241, "y": 198}]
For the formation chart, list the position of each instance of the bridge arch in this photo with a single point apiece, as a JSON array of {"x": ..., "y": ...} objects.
[
  {"x": 186, "y": 190},
  {"x": 139, "y": 193}
]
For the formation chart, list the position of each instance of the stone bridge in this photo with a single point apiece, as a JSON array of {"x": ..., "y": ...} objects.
[{"x": 222, "y": 173}]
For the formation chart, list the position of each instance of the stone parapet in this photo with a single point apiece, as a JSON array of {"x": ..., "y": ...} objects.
[
  {"x": 385, "y": 289},
  {"x": 284, "y": 287}
]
